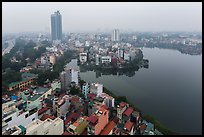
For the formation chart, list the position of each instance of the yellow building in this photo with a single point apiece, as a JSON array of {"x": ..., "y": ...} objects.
[
  {"x": 78, "y": 126},
  {"x": 27, "y": 80}
]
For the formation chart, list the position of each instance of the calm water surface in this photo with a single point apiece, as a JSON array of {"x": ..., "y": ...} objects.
[{"x": 170, "y": 89}]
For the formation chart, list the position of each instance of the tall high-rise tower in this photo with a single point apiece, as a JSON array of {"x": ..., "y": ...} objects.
[
  {"x": 115, "y": 35},
  {"x": 56, "y": 26}
]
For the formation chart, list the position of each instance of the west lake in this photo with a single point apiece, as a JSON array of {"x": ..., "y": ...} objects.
[{"x": 170, "y": 89}]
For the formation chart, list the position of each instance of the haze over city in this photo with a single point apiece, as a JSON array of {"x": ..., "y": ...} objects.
[{"x": 83, "y": 17}]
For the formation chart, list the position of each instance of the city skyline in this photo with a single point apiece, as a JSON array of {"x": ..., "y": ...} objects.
[{"x": 103, "y": 16}]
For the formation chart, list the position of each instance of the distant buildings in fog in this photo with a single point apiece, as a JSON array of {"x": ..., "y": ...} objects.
[
  {"x": 115, "y": 35},
  {"x": 56, "y": 26}
]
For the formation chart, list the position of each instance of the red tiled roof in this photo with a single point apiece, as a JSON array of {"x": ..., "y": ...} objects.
[
  {"x": 67, "y": 133},
  {"x": 128, "y": 125},
  {"x": 108, "y": 128},
  {"x": 122, "y": 104},
  {"x": 46, "y": 116},
  {"x": 42, "y": 110},
  {"x": 92, "y": 119},
  {"x": 128, "y": 111}
]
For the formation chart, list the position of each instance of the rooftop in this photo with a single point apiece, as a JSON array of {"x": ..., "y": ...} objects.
[
  {"x": 128, "y": 111},
  {"x": 108, "y": 128},
  {"x": 33, "y": 125},
  {"x": 128, "y": 125}
]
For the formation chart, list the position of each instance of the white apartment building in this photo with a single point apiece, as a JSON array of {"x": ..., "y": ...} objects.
[
  {"x": 108, "y": 100},
  {"x": 11, "y": 116},
  {"x": 47, "y": 127},
  {"x": 96, "y": 88}
]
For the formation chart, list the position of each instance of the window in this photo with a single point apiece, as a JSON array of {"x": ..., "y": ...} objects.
[
  {"x": 9, "y": 119},
  {"x": 26, "y": 115}
]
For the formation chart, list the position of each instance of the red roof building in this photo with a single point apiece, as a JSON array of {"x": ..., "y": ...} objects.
[
  {"x": 128, "y": 126},
  {"x": 98, "y": 121},
  {"x": 128, "y": 111},
  {"x": 108, "y": 129}
]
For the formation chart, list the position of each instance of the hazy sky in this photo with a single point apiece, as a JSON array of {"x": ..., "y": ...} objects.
[{"x": 91, "y": 16}]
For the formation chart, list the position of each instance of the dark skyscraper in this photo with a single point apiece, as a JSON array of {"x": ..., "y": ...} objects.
[{"x": 56, "y": 26}]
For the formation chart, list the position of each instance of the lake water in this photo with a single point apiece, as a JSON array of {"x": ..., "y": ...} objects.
[{"x": 170, "y": 89}]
